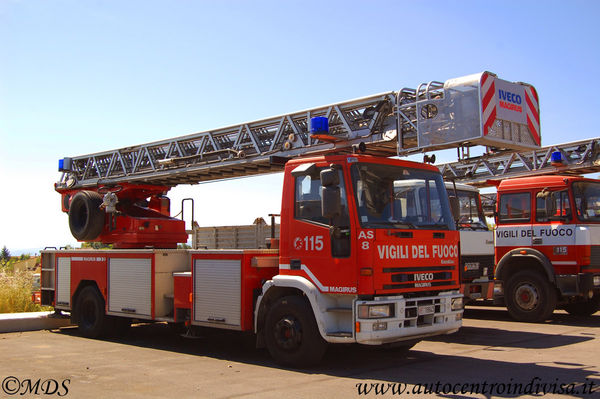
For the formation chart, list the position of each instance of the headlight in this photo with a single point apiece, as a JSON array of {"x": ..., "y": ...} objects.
[
  {"x": 375, "y": 311},
  {"x": 457, "y": 303},
  {"x": 596, "y": 280}
]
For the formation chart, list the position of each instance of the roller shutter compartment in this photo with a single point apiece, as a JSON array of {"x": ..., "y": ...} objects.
[
  {"x": 217, "y": 286},
  {"x": 130, "y": 287},
  {"x": 63, "y": 283}
]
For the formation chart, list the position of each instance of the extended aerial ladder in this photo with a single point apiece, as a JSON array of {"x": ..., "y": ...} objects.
[
  {"x": 434, "y": 116},
  {"x": 130, "y": 183},
  {"x": 573, "y": 158}
]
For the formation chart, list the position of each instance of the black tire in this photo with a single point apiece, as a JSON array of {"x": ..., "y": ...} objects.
[
  {"x": 529, "y": 297},
  {"x": 86, "y": 219},
  {"x": 586, "y": 308},
  {"x": 91, "y": 319},
  {"x": 291, "y": 333}
]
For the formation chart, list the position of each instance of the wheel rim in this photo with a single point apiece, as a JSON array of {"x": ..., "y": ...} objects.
[
  {"x": 88, "y": 314},
  {"x": 288, "y": 333},
  {"x": 527, "y": 296}
]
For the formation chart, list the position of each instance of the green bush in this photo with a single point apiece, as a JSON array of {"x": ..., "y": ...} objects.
[{"x": 15, "y": 292}]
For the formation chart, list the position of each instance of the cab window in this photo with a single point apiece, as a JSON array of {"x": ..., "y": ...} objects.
[
  {"x": 552, "y": 206},
  {"x": 515, "y": 208},
  {"x": 308, "y": 200}
]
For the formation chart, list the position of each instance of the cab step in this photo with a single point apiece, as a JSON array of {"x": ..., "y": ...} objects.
[{"x": 342, "y": 334}]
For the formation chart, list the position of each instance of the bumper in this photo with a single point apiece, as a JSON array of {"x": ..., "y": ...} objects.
[{"x": 413, "y": 318}]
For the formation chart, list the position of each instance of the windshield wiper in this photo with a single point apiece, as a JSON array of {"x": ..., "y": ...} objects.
[
  {"x": 398, "y": 225},
  {"x": 438, "y": 225}
]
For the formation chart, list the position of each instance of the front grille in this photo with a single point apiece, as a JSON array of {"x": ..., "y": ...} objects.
[
  {"x": 412, "y": 317},
  {"x": 418, "y": 277},
  {"x": 418, "y": 284},
  {"x": 406, "y": 277}
]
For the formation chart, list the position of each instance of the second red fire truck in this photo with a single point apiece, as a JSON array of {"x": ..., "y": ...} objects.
[{"x": 547, "y": 251}]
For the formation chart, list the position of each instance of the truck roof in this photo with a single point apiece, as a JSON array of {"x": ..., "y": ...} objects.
[
  {"x": 462, "y": 187},
  {"x": 538, "y": 181},
  {"x": 366, "y": 158}
]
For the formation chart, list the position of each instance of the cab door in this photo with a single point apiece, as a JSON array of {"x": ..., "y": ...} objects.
[
  {"x": 514, "y": 228},
  {"x": 321, "y": 248},
  {"x": 554, "y": 231}
]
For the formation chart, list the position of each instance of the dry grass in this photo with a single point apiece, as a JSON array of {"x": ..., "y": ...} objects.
[{"x": 15, "y": 292}]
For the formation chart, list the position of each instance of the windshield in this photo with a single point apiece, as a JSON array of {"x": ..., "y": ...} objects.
[
  {"x": 398, "y": 197},
  {"x": 587, "y": 201},
  {"x": 471, "y": 214}
]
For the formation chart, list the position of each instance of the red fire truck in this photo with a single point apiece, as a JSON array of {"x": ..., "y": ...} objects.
[
  {"x": 356, "y": 262},
  {"x": 546, "y": 248}
]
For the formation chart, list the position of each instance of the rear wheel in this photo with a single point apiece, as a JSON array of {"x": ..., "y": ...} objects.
[
  {"x": 529, "y": 297},
  {"x": 92, "y": 320},
  {"x": 587, "y": 308},
  {"x": 291, "y": 333}
]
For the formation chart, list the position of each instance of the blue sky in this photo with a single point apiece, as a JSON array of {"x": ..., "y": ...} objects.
[{"x": 81, "y": 76}]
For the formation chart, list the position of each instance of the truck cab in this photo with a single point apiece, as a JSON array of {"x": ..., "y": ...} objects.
[
  {"x": 548, "y": 246},
  {"x": 375, "y": 267}
]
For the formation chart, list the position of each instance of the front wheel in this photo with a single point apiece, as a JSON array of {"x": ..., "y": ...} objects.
[
  {"x": 529, "y": 297},
  {"x": 291, "y": 333}
]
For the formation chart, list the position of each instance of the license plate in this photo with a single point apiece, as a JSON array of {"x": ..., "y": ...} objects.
[
  {"x": 472, "y": 266},
  {"x": 426, "y": 309}
]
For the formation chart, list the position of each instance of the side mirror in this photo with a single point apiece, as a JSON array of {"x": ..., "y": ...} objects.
[
  {"x": 331, "y": 198},
  {"x": 330, "y": 177},
  {"x": 550, "y": 206},
  {"x": 454, "y": 207},
  {"x": 548, "y": 197}
]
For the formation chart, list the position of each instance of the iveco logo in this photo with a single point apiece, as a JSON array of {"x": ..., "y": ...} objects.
[{"x": 423, "y": 276}]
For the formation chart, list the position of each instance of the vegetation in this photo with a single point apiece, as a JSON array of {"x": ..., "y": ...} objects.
[
  {"x": 15, "y": 292},
  {"x": 16, "y": 285},
  {"x": 96, "y": 245},
  {"x": 4, "y": 256}
]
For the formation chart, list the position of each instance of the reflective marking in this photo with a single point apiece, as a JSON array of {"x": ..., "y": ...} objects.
[{"x": 307, "y": 271}]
